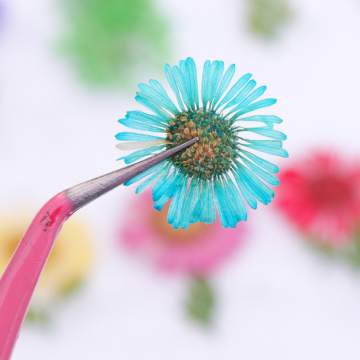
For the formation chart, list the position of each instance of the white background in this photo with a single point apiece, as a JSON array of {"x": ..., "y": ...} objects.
[{"x": 277, "y": 300}]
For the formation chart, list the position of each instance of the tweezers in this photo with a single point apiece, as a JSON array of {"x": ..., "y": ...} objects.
[{"x": 21, "y": 275}]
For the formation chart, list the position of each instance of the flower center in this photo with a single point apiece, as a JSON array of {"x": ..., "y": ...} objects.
[{"x": 212, "y": 155}]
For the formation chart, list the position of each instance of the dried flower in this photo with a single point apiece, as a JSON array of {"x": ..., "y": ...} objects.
[{"x": 199, "y": 177}]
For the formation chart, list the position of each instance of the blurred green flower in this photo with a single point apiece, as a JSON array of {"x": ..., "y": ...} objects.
[
  {"x": 268, "y": 17},
  {"x": 108, "y": 40}
]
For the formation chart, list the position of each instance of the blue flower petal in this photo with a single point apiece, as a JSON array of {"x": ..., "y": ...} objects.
[
  {"x": 168, "y": 191},
  {"x": 159, "y": 98},
  {"x": 205, "y": 90},
  {"x": 156, "y": 85},
  {"x": 245, "y": 191},
  {"x": 175, "y": 201},
  {"x": 273, "y": 134},
  {"x": 159, "y": 183},
  {"x": 216, "y": 75},
  {"x": 272, "y": 180},
  {"x": 154, "y": 169},
  {"x": 262, "y": 192},
  {"x": 219, "y": 204},
  {"x": 139, "y": 125},
  {"x": 196, "y": 212},
  {"x": 181, "y": 84},
  {"x": 192, "y": 79},
  {"x": 207, "y": 213},
  {"x": 146, "y": 118},
  {"x": 269, "y": 150},
  {"x": 137, "y": 155},
  {"x": 272, "y": 168},
  {"x": 186, "y": 82},
  {"x": 266, "y": 143},
  {"x": 129, "y": 136},
  {"x": 249, "y": 99},
  {"x": 148, "y": 182},
  {"x": 188, "y": 69},
  {"x": 160, "y": 190},
  {"x": 189, "y": 205},
  {"x": 255, "y": 106},
  {"x": 237, "y": 199},
  {"x": 210, "y": 206},
  {"x": 181, "y": 192},
  {"x": 153, "y": 107},
  {"x": 262, "y": 118},
  {"x": 173, "y": 85},
  {"x": 238, "y": 85},
  {"x": 229, "y": 203},
  {"x": 225, "y": 81},
  {"x": 241, "y": 95},
  {"x": 204, "y": 202},
  {"x": 224, "y": 206}
]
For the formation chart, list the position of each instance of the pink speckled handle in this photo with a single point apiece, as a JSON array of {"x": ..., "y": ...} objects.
[{"x": 18, "y": 282}]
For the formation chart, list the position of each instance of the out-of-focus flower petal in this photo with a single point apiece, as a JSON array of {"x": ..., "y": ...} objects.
[
  {"x": 198, "y": 250},
  {"x": 320, "y": 194}
]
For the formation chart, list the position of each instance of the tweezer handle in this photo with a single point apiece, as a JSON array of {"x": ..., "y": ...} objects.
[{"x": 18, "y": 282}]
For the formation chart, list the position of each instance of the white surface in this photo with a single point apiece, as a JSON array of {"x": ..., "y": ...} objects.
[{"x": 277, "y": 300}]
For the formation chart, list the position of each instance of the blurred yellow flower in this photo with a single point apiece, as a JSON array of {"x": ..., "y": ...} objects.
[{"x": 68, "y": 264}]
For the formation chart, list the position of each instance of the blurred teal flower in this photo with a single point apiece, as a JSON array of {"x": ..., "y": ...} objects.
[
  {"x": 198, "y": 178},
  {"x": 268, "y": 17},
  {"x": 107, "y": 40}
]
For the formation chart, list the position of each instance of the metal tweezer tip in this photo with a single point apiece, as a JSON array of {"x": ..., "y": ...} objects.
[{"x": 82, "y": 194}]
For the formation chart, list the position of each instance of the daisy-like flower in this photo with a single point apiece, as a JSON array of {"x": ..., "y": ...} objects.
[
  {"x": 321, "y": 196},
  {"x": 220, "y": 169}
]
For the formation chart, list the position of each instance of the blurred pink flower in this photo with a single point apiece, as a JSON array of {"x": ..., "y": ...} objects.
[
  {"x": 321, "y": 195},
  {"x": 198, "y": 250}
]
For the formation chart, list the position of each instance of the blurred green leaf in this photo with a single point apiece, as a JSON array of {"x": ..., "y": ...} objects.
[
  {"x": 38, "y": 316},
  {"x": 201, "y": 301},
  {"x": 107, "y": 40},
  {"x": 353, "y": 252},
  {"x": 72, "y": 287},
  {"x": 268, "y": 17},
  {"x": 322, "y": 247}
]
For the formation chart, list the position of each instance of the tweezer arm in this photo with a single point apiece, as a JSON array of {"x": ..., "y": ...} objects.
[
  {"x": 20, "y": 277},
  {"x": 84, "y": 193}
]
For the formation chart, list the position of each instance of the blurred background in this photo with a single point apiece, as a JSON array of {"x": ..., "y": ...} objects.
[{"x": 283, "y": 285}]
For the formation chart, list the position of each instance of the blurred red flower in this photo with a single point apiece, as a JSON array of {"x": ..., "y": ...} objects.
[
  {"x": 198, "y": 250},
  {"x": 321, "y": 195}
]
